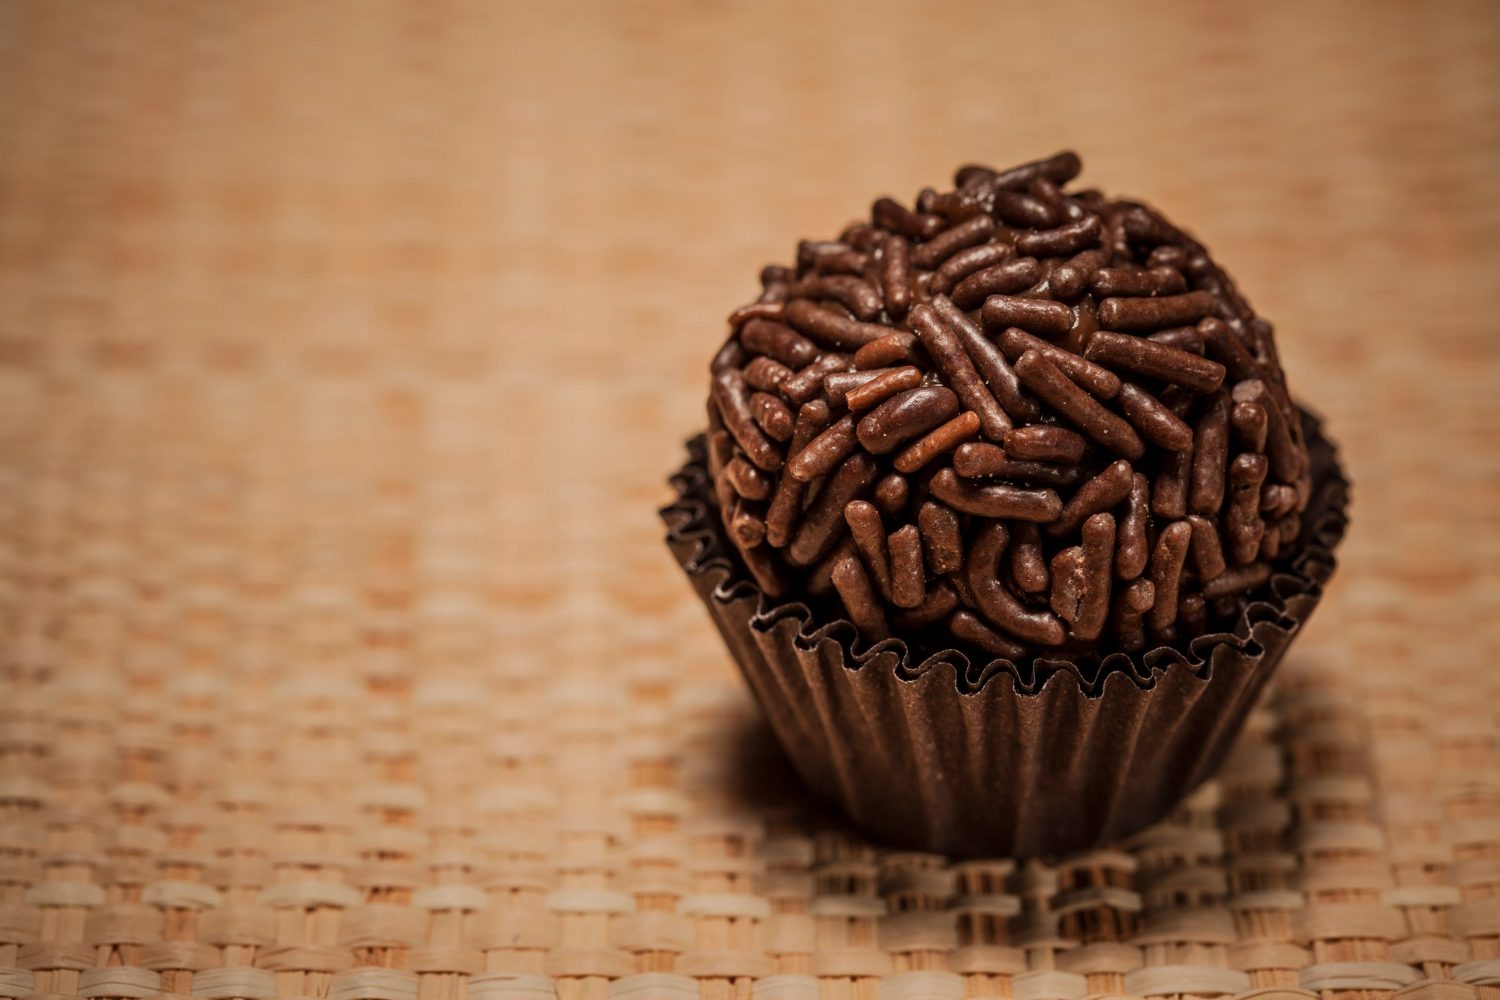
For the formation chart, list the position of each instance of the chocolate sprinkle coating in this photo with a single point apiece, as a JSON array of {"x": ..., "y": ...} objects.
[{"x": 1023, "y": 421}]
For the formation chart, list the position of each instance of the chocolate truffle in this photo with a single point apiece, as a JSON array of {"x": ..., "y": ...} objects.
[{"x": 1012, "y": 419}]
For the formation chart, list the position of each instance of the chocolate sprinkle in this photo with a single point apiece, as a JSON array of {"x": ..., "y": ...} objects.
[{"x": 1032, "y": 422}]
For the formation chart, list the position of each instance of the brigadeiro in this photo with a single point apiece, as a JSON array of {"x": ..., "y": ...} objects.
[{"x": 1006, "y": 512}]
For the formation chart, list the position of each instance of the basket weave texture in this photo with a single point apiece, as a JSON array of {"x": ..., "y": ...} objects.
[{"x": 344, "y": 348}]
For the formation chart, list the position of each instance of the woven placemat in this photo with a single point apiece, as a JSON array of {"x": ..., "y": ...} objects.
[{"x": 344, "y": 349}]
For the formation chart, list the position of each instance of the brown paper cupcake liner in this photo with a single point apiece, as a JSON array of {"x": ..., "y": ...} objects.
[{"x": 997, "y": 758}]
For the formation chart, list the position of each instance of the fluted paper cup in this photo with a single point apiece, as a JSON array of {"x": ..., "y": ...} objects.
[{"x": 944, "y": 753}]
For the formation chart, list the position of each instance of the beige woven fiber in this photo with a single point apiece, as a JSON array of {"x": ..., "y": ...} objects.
[{"x": 344, "y": 349}]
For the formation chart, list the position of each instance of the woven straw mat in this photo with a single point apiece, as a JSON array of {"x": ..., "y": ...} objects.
[{"x": 345, "y": 348}]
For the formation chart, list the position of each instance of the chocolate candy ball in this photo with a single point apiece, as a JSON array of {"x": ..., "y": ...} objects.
[{"x": 1011, "y": 419}]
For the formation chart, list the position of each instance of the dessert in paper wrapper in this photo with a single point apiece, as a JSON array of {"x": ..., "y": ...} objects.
[{"x": 1015, "y": 430}]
